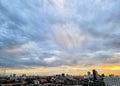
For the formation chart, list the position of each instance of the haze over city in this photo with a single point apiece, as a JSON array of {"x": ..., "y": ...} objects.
[{"x": 47, "y": 37}]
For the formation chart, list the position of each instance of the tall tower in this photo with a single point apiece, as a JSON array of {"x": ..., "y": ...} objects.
[{"x": 95, "y": 75}]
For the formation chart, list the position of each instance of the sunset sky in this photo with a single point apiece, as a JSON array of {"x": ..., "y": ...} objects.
[{"x": 48, "y": 37}]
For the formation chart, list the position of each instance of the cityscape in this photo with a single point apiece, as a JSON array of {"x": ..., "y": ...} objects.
[
  {"x": 59, "y": 42},
  {"x": 91, "y": 79}
]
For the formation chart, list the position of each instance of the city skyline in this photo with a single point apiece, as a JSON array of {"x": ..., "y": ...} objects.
[{"x": 54, "y": 36}]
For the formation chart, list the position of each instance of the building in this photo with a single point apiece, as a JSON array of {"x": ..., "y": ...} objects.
[
  {"x": 89, "y": 75},
  {"x": 63, "y": 75},
  {"x": 112, "y": 81},
  {"x": 95, "y": 75}
]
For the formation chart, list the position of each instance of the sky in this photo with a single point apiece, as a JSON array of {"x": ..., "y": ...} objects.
[{"x": 54, "y": 36}]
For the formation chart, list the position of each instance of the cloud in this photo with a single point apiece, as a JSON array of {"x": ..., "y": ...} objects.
[
  {"x": 59, "y": 4},
  {"x": 58, "y": 32},
  {"x": 68, "y": 35},
  {"x": 51, "y": 59}
]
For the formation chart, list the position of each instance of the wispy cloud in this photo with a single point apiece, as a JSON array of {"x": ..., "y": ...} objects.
[
  {"x": 69, "y": 35},
  {"x": 59, "y": 32}
]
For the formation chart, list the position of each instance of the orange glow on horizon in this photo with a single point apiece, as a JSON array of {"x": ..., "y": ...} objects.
[{"x": 71, "y": 70}]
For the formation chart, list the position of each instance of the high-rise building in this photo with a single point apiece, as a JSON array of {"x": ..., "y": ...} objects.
[
  {"x": 95, "y": 75},
  {"x": 89, "y": 75},
  {"x": 112, "y": 81},
  {"x": 63, "y": 75}
]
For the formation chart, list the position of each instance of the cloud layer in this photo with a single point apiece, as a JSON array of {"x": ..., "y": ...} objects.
[{"x": 52, "y": 33}]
